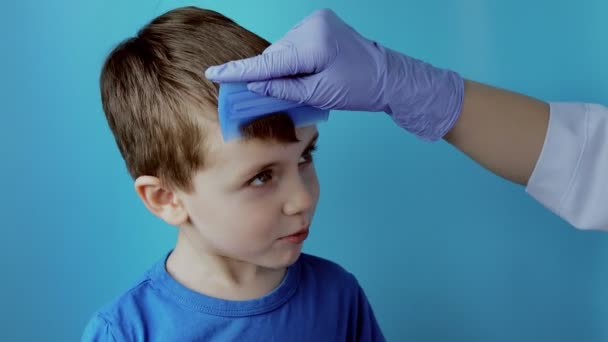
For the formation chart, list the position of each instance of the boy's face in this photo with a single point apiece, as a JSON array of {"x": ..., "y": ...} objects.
[{"x": 252, "y": 197}]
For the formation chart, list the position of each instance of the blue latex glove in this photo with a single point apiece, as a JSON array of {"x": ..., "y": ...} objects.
[{"x": 325, "y": 63}]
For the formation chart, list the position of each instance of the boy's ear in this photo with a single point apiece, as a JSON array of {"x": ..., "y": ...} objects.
[{"x": 161, "y": 201}]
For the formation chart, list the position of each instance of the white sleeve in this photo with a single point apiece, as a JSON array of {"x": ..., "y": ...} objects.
[{"x": 571, "y": 175}]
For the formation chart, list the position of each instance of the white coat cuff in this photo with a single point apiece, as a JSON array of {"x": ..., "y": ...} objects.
[{"x": 557, "y": 165}]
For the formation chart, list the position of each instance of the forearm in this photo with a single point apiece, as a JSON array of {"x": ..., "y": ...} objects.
[{"x": 501, "y": 130}]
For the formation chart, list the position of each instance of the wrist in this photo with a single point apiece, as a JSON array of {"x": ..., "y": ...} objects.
[{"x": 421, "y": 98}]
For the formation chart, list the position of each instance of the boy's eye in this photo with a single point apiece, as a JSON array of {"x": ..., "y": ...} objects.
[
  {"x": 307, "y": 156},
  {"x": 268, "y": 176},
  {"x": 261, "y": 179}
]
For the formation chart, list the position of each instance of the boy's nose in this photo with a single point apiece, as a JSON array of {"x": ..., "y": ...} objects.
[{"x": 300, "y": 198}]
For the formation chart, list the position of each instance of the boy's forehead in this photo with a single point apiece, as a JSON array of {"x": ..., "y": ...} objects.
[{"x": 243, "y": 151}]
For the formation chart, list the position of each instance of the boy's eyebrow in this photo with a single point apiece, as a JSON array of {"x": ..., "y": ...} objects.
[{"x": 255, "y": 169}]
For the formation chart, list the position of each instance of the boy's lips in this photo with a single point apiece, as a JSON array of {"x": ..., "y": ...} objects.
[{"x": 297, "y": 237}]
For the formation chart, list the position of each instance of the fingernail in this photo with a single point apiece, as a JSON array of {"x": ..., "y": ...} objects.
[
  {"x": 210, "y": 72},
  {"x": 214, "y": 71}
]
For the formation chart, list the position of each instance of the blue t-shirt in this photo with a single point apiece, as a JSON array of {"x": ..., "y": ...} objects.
[{"x": 317, "y": 300}]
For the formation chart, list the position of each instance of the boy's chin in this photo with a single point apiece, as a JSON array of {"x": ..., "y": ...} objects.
[
  {"x": 294, "y": 258},
  {"x": 286, "y": 259}
]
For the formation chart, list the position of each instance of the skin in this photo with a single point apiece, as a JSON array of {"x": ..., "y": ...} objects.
[
  {"x": 250, "y": 195},
  {"x": 501, "y": 130}
]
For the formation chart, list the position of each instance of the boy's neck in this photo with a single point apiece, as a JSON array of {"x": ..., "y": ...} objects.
[{"x": 219, "y": 276}]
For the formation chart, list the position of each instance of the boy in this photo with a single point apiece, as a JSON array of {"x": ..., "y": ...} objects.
[{"x": 243, "y": 208}]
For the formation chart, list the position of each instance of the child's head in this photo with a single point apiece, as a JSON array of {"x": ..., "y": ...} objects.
[{"x": 235, "y": 199}]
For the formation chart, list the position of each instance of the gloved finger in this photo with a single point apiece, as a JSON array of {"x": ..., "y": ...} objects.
[
  {"x": 278, "y": 60},
  {"x": 263, "y": 67},
  {"x": 291, "y": 89},
  {"x": 278, "y": 46}
]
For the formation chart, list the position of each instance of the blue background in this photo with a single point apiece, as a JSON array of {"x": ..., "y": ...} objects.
[{"x": 445, "y": 250}]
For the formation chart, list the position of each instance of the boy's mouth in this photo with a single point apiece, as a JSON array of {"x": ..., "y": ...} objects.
[{"x": 297, "y": 237}]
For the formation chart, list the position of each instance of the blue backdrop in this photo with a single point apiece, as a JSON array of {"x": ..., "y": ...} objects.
[{"x": 445, "y": 250}]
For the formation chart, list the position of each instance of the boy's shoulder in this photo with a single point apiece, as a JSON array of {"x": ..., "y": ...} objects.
[
  {"x": 128, "y": 301},
  {"x": 130, "y": 306}
]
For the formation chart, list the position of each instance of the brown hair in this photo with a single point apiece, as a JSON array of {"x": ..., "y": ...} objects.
[{"x": 157, "y": 101}]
